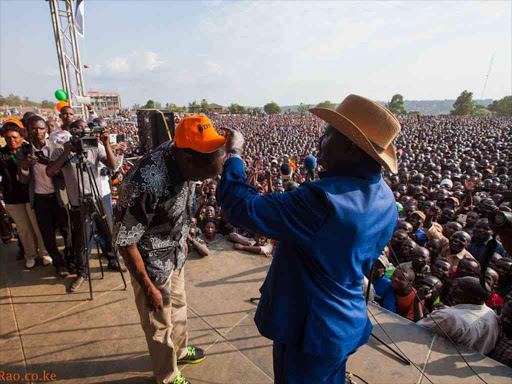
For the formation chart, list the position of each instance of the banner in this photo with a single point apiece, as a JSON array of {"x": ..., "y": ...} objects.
[{"x": 79, "y": 17}]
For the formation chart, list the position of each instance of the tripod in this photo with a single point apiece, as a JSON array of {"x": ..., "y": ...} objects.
[{"x": 92, "y": 209}]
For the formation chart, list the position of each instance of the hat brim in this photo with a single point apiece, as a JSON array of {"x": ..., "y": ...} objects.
[
  {"x": 211, "y": 145},
  {"x": 386, "y": 157}
]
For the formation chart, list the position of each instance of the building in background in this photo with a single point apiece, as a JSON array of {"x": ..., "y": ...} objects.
[{"x": 105, "y": 103}]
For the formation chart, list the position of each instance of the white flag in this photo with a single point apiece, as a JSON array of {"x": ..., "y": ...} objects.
[{"x": 79, "y": 17}]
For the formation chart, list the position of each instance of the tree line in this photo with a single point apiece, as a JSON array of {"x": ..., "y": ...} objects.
[{"x": 16, "y": 101}]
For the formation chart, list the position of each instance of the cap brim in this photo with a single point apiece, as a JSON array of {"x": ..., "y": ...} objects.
[
  {"x": 211, "y": 145},
  {"x": 385, "y": 157}
]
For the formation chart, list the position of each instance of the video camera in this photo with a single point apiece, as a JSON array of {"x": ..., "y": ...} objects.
[
  {"x": 82, "y": 141},
  {"x": 499, "y": 218}
]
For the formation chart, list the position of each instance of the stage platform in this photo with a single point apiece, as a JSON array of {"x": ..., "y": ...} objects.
[{"x": 45, "y": 329}]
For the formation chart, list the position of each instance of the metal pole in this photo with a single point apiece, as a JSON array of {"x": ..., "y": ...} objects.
[
  {"x": 54, "y": 11},
  {"x": 63, "y": 21},
  {"x": 76, "y": 54}
]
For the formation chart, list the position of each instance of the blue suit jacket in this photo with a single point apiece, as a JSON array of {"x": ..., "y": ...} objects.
[{"x": 330, "y": 232}]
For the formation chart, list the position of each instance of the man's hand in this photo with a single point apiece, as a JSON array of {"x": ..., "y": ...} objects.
[
  {"x": 105, "y": 137},
  {"x": 121, "y": 148},
  {"x": 67, "y": 147},
  {"x": 238, "y": 246},
  {"x": 234, "y": 140},
  {"x": 29, "y": 162},
  {"x": 155, "y": 300}
]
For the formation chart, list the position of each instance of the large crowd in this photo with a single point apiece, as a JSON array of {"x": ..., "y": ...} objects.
[{"x": 454, "y": 174}]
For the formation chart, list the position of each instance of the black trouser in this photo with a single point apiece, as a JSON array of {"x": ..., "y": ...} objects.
[
  {"x": 50, "y": 217},
  {"x": 81, "y": 225}
]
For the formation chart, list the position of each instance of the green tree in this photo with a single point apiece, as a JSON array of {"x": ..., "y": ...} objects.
[
  {"x": 272, "y": 108},
  {"x": 136, "y": 106},
  {"x": 158, "y": 105},
  {"x": 502, "y": 107},
  {"x": 396, "y": 105},
  {"x": 47, "y": 104},
  {"x": 303, "y": 108},
  {"x": 326, "y": 104},
  {"x": 149, "y": 105},
  {"x": 194, "y": 107},
  {"x": 463, "y": 105},
  {"x": 236, "y": 109},
  {"x": 205, "y": 107}
]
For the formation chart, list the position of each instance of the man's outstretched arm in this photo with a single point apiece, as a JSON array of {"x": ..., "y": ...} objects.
[{"x": 290, "y": 215}]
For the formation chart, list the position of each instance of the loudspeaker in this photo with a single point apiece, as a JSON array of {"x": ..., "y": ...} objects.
[{"x": 155, "y": 127}]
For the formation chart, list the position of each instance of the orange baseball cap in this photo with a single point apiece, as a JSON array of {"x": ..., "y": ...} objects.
[
  {"x": 197, "y": 132},
  {"x": 12, "y": 120}
]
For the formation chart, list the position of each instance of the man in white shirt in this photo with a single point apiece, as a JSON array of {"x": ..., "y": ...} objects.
[
  {"x": 49, "y": 208},
  {"x": 469, "y": 322}
]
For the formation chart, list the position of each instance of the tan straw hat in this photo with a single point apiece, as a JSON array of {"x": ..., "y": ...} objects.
[{"x": 368, "y": 125}]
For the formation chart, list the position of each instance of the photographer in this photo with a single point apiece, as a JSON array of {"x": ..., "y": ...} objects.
[
  {"x": 16, "y": 195},
  {"x": 44, "y": 197},
  {"x": 63, "y": 158}
]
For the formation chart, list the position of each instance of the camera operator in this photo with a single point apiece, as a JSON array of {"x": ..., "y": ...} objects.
[
  {"x": 44, "y": 195},
  {"x": 105, "y": 177},
  {"x": 62, "y": 158}
]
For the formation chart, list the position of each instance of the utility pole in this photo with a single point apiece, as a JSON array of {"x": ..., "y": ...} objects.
[
  {"x": 487, "y": 77},
  {"x": 68, "y": 52}
]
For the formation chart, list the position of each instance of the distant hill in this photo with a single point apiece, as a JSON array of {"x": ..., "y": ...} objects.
[{"x": 425, "y": 107}]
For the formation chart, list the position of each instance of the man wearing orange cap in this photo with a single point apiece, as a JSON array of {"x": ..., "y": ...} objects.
[{"x": 153, "y": 217}]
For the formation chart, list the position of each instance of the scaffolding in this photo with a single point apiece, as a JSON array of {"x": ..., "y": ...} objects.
[{"x": 68, "y": 51}]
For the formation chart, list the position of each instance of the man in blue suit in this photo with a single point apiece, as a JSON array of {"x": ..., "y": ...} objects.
[{"x": 330, "y": 232}]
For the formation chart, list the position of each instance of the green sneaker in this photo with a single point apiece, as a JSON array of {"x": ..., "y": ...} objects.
[
  {"x": 194, "y": 355},
  {"x": 179, "y": 379}
]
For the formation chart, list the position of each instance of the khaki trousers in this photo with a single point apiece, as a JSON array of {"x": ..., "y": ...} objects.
[
  {"x": 166, "y": 330},
  {"x": 27, "y": 228}
]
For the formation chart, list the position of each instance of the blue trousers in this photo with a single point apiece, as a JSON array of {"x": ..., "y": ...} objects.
[{"x": 292, "y": 366}]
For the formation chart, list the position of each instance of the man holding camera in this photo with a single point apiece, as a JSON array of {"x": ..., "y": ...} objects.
[
  {"x": 67, "y": 158},
  {"x": 44, "y": 194}
]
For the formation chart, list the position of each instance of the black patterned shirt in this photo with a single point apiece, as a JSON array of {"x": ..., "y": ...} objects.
[{"x": 154, "y": 211}]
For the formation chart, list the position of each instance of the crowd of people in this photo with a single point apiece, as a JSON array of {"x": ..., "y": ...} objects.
[{"x": 454, "y": 174}]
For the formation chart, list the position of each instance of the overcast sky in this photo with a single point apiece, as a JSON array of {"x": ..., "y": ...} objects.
[{"x": 254, "y": 52}]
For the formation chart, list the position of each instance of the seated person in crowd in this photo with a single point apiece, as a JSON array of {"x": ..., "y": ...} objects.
[
  {"x": 419, "y": 264},
  {"x": 495, "y": 302},
  {"x": 407, "y": 304},
  {"x": 260, "y": 245},
  {"x": 493, "y": 259},
  {"x": 467, "y": 267},
  {"x": 504, "y": 268},
  {"x": 456, "y": 248},
  {"x": 434, "y": 247},
  {"x": 405, "y": 226},
  {"x": 482, "y": 233},
  {"x": 196, "y": 244},
  {"x": 417, "y": 219},
  {"x": 502, "y": 351},
  {"x": 406, "y": 250},
  {"x": 469, "y": 322},
  {"x": 397, "y": 239},
  {"x": 431, "y": 284},
  {"x": 210, "y": 234},
  {"x": 382, "y": 284}
]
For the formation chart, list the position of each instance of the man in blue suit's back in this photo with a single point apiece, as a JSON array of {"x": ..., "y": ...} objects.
[{"x": 330, "y": 232}]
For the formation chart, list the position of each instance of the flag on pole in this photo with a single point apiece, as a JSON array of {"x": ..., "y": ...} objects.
[{"x": 79, "y": 17}]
